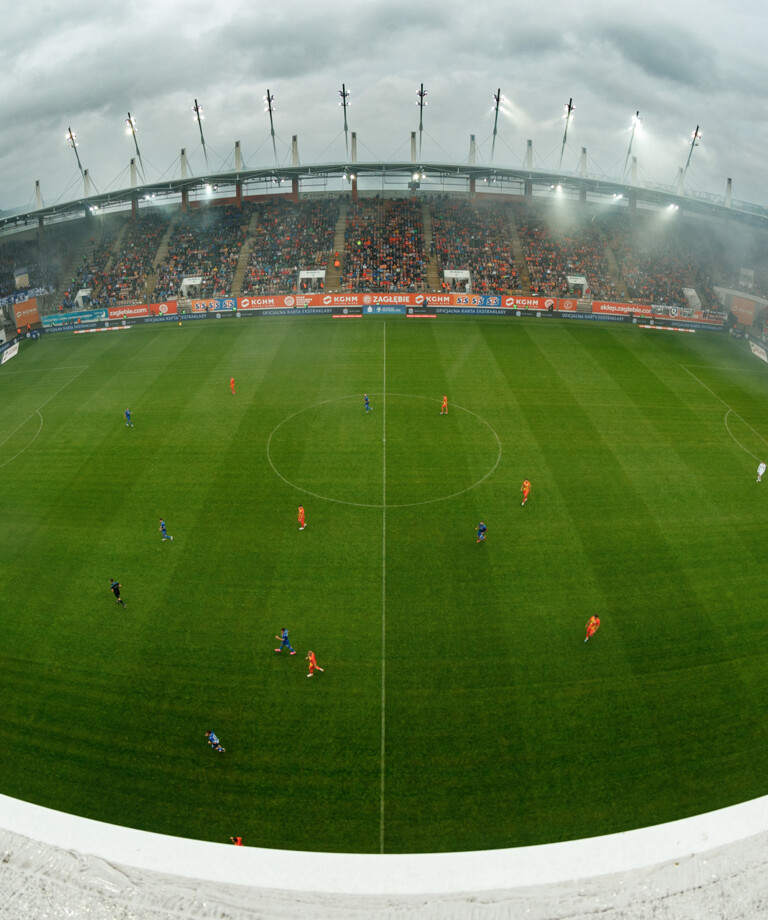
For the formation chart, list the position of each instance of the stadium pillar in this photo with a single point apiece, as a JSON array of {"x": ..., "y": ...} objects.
[
  {"x": 472, "y": 187},
  {"x": 238, "y": 157},
  {"x": 184, "y": 201},
  {"x": 728, "y": 191},
  {"x": 239, "y": 194},
  {"x": 134, "y": 208},
  {"x": 295, "y": 190},
  {"x": 38, "y": 196},
  {"x": 633, "y": 204},
  {"x": 294, "y": 150},
  {"x": 184, "y": 169},
  {"x": 472, "y": 150},
  {"x": 354, "y": 189},
  {"x": 413, "y": 146}
]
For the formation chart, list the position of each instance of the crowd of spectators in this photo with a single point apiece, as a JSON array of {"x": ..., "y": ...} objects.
[
  {"x": 474, "y": 237},
  {"x": 384, "y": 246},
  {"x": 43, "y": 264},
  {"x": 205, "y": 243},
  {"x": 92, "y": 266},
  {"x": 658, "y": 259},
  {"x": 124, "y": 279},
  {"x": 741, "y": 260},
  {"x": 288, "y": 237},
  {"x": 643, "y": 256},
  {"x": 559, "y": 242}
]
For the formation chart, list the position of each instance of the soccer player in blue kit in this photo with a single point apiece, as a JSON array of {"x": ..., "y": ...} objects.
[
  {"x": 367, "y": 402},
  {"x": 481, "y": 529},
  {"x": 128, "y": 422},
  {"x": 214, "y": 741},
  {"x": 284, "y": 643},
  {"x": 163, "y": 531}
]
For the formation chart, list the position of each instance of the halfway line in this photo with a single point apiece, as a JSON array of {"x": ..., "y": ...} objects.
[{"x": 383, "y": 589}]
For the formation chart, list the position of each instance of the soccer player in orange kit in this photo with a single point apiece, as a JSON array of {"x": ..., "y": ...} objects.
[
  {"x": 525, "y": 488},
  {"x": 593, "y": 624},
  {"x": 313, "y": 665},
  {"x": 232, "y": 385},
  {"x": 302, "y": 523},
  {"x": 444, "y": 407}
]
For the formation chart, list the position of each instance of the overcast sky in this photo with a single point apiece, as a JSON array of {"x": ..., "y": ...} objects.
[{"x": 85, "y": 64}]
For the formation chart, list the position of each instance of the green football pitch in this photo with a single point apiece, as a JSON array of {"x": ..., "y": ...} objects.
[{"x": 460, "y": 707}]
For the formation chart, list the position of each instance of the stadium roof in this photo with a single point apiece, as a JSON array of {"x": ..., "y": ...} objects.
[{"x": 431, "y": 177}]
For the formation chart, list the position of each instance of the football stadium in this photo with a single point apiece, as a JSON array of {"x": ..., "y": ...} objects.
[{"x": 479, "y": 450}]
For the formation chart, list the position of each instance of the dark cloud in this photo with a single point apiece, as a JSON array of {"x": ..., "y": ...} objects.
[
  {"x": 87, "y": 63},
  {"x": 663, "y": 52}
]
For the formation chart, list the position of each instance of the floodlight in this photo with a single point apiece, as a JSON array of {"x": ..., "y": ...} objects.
[
  {"x": 344, "y": 93},
  {"x": 568, "y": 116},
  {"x": 269, "y": 99},
  {"x": 422, "y": 94},
  {"x": 637, "y": 122},
  {"x": 695, "y": 138},
  {"x": 198, "y": 110},
  {"x": 497, "y": 97},
  {"x": 72, "y": 138}
]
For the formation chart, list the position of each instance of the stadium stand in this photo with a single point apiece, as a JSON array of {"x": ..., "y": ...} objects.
[
  {"x": 476, "y": 238},
  {"x": 204, "y": 243},
  {"x": 384, "y": 246},
  {"x": 124, "y": 279},
  {"x": 389, "y": 245},
  {"x": 658, "y": 258},
  {"x": 561, "y": 243},
  {"x": 288, "y": 237}
]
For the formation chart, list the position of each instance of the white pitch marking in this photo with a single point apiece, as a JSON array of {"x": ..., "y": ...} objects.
[
  {"x": 383, "y": 593},
  {"x": 721, "y": 400},
  {"x": 341, "y": 501}
]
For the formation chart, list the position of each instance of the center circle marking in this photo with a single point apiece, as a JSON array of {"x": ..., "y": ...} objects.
[{"x": 340, "y": 501}]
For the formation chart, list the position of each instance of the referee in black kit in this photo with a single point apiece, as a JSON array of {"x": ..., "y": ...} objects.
[{"x": 115, "y": 588}]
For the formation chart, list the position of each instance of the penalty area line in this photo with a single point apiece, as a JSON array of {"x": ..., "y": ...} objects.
[{"x": 728, "y": 412}]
